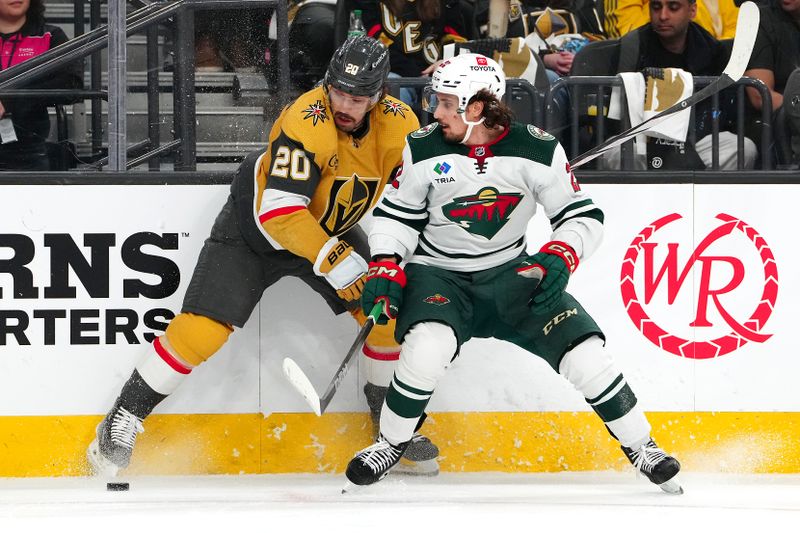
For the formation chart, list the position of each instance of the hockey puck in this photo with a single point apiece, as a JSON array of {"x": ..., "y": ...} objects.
[{"x": 118, "y": 486}]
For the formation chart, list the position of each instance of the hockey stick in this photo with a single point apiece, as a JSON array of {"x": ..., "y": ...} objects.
[
  {"x": 300, "y": 381},
  {"x": 746, "y": 31}
]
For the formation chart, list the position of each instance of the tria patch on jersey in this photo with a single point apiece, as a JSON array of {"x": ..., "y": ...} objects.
[
  {"x": 316, "y": 112},
  {"x": 484, "y": 213},
  {"x": 442, "y": 168},
  {"x": 539, "y": 133},
  {"x": 437, "y": 299},
  {"x": 425, "y": 131}
]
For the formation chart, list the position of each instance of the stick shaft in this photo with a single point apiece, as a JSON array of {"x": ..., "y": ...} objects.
[
  {"x": 621, "y": 138},
  {"x": 341, "y": 372}
]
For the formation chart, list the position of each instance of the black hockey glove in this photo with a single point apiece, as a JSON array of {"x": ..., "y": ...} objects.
[
  {"x": 553, "y": 263},
  {"x": 385, "y": 282}
]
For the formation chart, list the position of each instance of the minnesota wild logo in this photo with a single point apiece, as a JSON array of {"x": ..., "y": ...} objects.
[
  {"x": 484, "y": 213},
  {"x": 437, "y": 299},
  {"x": 424, "y": 131}
]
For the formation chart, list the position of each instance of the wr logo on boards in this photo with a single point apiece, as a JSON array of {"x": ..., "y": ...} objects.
[{"x": 703, "y": 302}]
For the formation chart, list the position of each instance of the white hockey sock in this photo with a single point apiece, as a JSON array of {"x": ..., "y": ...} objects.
[
  {"x": 395, "y": 428},
  {"x": 632, "y": 429},
  {"x": 379, "y": 364},
  {"x": 161, "y": 369},
  {"x": 591, "y": 369},
  {"x": 427, "y": 351}
]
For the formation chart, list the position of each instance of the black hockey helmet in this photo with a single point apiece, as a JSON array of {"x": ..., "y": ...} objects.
[{"x": 359, "y": 67}]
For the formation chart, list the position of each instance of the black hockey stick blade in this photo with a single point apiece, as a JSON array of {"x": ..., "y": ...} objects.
[
  {"x": 295, "y": 375},
  {"x": 746, "y": 32}
]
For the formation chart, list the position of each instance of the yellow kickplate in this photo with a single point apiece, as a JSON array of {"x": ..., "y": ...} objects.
[{"x": 469, "y": 442}]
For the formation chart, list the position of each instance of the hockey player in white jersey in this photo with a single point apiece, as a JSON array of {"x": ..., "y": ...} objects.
[{"x": 458, "y": 213}]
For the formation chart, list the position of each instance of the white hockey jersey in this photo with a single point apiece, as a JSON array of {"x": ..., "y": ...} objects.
[{"x": 467, "y": 208}]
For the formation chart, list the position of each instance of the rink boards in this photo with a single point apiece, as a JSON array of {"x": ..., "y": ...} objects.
[{"x": 693, "y": 285}]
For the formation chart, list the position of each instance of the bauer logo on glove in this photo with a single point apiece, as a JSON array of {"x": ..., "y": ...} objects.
[{"x": 342, "y": 267}]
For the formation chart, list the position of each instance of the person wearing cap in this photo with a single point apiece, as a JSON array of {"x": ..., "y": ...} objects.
[{"x": 293, "y": 210}]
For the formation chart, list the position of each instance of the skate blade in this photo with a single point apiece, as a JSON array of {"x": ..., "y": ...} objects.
[
  {"x": 406, "y": 467},
  {"x": 352, "y": 488},
  {"x": 99, "y": 465},
  {"x": 672, "y": 487}
]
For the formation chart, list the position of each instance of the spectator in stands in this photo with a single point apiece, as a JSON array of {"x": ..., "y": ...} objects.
[
  {"x": 717, "y": 17},
  {"x": 229, "y": 40},
  {"x": 776, "y": 53},
  {"x": 311, "y": 43},
  {"x": 24, "y": 122},
  {"x": 414, "y": 32},
  {"x": 672, "y": 39},
  {"x": 557, "y": 29}
]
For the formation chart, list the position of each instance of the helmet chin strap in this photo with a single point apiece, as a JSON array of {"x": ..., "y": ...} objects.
[{"x": 470, "y": 125}]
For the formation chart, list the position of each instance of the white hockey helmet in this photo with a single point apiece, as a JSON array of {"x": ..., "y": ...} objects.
[{"x": 463, "y": 76}]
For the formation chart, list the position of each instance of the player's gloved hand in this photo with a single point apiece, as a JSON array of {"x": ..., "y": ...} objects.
[
  {"x": 553, "y": 263},
  {"x": 653, "y": 72},
  {"x": 343, "y": 268},
  {"x": 385, "y": 282}
]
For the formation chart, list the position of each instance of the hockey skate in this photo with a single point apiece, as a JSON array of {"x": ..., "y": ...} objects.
[
  {"x": 112, "y": 448},
  {"x": 373, "y": 463},
  {"x": 654, "y": 463},
  {"x": 420, "y": 458}
]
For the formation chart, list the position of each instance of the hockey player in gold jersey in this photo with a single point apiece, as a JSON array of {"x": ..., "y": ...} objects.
[{"x": 293, "y": 211}]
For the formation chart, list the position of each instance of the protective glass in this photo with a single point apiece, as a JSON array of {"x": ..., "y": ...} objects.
[
  {"x": 342, "y": 101},
  {"x": 429, "y": 100}
]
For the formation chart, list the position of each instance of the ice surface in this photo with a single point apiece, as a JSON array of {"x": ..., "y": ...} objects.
[{"x": 496, "y": 503}]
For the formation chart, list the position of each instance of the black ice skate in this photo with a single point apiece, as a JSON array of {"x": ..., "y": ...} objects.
[
  {"x": 111, "y": 450},
  {"x": 654, "y": 463},
  {"x": 371, "y": 464},
  {"x": 421, "y": 457}
]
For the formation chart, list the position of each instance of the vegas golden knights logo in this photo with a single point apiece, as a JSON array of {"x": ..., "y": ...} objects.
[
  {"x": 348, "y": 202},
  {"x": 660, "y": 94}
]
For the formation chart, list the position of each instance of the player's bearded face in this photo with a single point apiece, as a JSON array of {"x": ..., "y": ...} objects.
[
  {"x": 348, "y": 110},
  {"x": 446, "y": 114}
]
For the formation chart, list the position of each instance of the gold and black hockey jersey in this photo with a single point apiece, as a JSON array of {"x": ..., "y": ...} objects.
[{"x": 314, "y": 181}]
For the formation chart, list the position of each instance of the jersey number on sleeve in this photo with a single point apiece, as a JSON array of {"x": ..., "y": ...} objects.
[{"x": 292, "y": 164}]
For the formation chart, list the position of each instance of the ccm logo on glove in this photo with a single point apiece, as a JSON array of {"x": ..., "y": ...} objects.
[
  {"x": 387, "y": 270},
  {"x": 385, "y": 282},
  {"x": 564, "y": 251}
]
